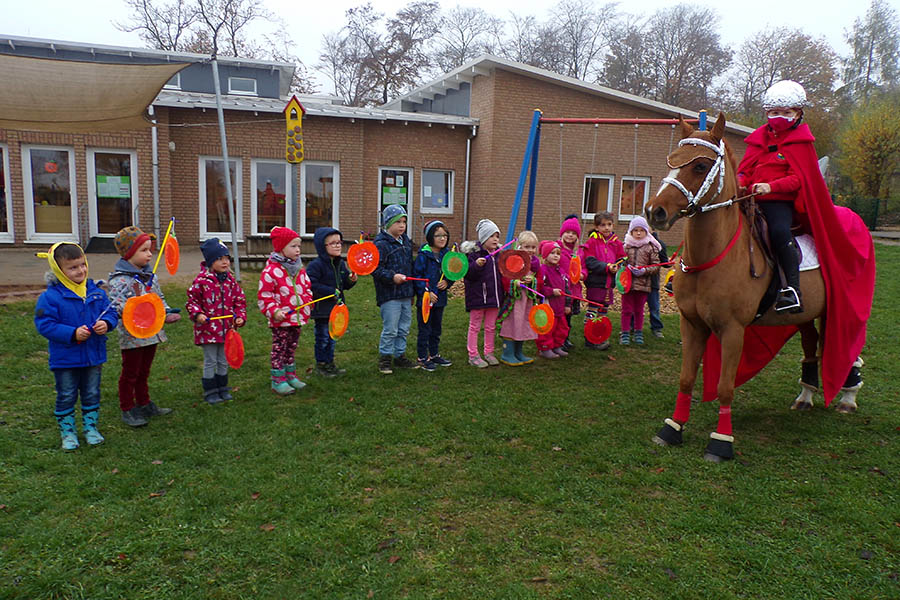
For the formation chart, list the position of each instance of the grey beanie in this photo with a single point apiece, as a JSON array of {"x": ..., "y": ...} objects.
[
  {"x": 485, "y": 229},
  {"x": 390, "y": 214}
]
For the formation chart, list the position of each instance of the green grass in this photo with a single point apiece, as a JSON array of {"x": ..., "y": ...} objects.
[{"x": 535, "y": 482}]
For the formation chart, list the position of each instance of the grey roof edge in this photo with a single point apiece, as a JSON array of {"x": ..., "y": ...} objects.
[
  {"x": 179, "y": 99},
  {"x": 482, "y": 64}
]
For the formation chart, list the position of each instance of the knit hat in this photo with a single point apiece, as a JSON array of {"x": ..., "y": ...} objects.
[
  {"x": 570, "y": 224},
  {"x": 548, "y": 246},
  {"x": 129, "y": 239},
  {"x": 431, "y": 228},
  {"x": 391, "y": 214},
  {"x": 485, "y": 229},
  {"x": 213, "y": 249},
  {"x": 281, "y": 237},
  {"x": 638, "y": 222}
]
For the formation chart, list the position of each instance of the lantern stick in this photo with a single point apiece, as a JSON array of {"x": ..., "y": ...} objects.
[
  {"x": 221, "y": 317},
  {"x": 162, "y": 247}
]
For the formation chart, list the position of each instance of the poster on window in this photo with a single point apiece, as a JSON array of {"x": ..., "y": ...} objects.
[
  {"x": 113, "y": 187},
  {"x": 394, "y": 188}
]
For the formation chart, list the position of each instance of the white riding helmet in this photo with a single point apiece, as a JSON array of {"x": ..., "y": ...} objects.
[{"x": 785, "y": 93}]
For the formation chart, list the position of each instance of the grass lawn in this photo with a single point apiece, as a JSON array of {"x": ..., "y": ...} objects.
[{"x": 531, "y": 482}]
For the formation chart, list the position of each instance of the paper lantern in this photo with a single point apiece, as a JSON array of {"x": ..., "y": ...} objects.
[
  {"x": 514, "y": 264},
  {"x": 338, "y": 321},
  {"x": 363, "y": 258},
  {"x": 234, "y": 349},
  {"x": 623, "y": 280},
  {"x": 597, "y": 331},
  {"x": 426, "y": 306},
  {"x": 455, "y": 265},
  {"x": 173, "y": 255},
  {"x": 541, "y": 319},
  {"x": 143, "y": 316},
  {"x": 575, "y": 269},
  {"x": 667, "y": 280}
]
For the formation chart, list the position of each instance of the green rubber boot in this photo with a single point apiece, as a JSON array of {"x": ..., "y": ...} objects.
[
  {"x": 290, "y": 374},
  {"x": 279, "y": 383}
]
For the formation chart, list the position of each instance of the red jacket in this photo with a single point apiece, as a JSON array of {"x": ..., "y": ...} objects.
[
  {"x": 765, "y": 162},
  {"x": 210, "y": 297},
  {"x": 277, "y": 289}
]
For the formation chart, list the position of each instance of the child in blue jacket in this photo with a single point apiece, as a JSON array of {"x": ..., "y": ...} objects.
[
  {"x": 72, "y": 314},
  {"x": 328, "y": 274},
  {"x": 428, "y": 266}
]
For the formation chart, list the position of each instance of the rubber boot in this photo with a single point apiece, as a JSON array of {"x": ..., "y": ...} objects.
[
  {"x": 509, "y": 354},
  {"x": 290, "y": 374},
  {"x": 67, "y": 432},
  {"x": 89, "y": 425},
  {"x": 279, "y": 383},
  {"x": 788, "y": 299},
  {"x": 224, "y": 389},
  {"x": 520, "y": 354},
  {"x": 211, "y": 390}
]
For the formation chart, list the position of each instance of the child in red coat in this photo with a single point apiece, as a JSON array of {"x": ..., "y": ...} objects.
[
  {"x": 283, "y": 288},
  {"x": 215, "y": 303}
]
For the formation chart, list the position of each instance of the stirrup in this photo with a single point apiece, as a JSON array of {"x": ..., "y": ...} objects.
[{"x": 788, "y": 300}]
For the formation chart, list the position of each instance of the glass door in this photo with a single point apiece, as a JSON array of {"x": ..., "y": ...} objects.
[{"x": 111, "y": 190}]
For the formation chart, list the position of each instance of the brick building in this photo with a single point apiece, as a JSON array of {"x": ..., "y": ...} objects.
[{"x": 451, "y": 149}]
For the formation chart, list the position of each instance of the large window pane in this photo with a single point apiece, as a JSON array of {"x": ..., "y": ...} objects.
[
  {"x": 113, "y": 172},
  {"x": 51, "y": 193},
  {"x": 4, "y": 194},
  {"x": 319, "y": 194},
  {"x": 217, "y": 219},
  {"x": 270, "y": 196},
  {"x": 437, "y": 190},
  {"x": 596, "y": 195},
  {"x": 633, "y": 196}
]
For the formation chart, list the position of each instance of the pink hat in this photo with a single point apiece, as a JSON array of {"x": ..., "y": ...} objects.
[
  {"x": 548, "y": 246},
  {"x": 570, "y": 224},
  {"x": 281, "y": 237}
]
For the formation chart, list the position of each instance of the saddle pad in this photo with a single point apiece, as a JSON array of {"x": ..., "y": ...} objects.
[{"x": 810, "y": 258}]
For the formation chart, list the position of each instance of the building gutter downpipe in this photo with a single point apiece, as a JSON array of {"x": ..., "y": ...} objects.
[
  {"x": 465, "y": 227},
  {"x": 154, "y": 149}
]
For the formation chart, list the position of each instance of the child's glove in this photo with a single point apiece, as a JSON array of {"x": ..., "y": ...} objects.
[{"x": 637, "y": 271}]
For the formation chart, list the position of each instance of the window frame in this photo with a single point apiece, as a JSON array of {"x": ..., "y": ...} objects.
[
  {"x": 336, "y": 201},
  {"x": 288, "y": 195},
  {"x": 32, "y": 236},
  {"x": 176, "y": 85},
  {"x": 611, "y": 179},
  {"x": 236, "y": 189},
  {"x": 233, "y": 91},
  {"x": 623, "y": 217},
  {"x": 409, "y": 206},
  {"x": 93, "y": 217},
  {"x": 436, "y": 211},
  {"x": 7, "y": 236}
]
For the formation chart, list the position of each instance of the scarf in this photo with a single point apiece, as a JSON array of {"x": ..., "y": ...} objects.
[
  {"x": 292, "y": 266},
  {"x": 80, "y": 289},
  {"x": 630, "y": 242}
]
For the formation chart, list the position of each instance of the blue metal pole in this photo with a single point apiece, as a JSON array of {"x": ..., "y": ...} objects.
[
  {"x": 514, "y": 214},
  {"x": 701, "y": 126},
  {"x": 532, "y": 178}
]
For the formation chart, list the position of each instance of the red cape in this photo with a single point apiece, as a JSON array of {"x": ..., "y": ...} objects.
[{"x": 847, "y": 259}]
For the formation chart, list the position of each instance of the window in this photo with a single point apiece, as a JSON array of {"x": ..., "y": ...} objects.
[
  {"x": 111, "y": 190},
  {"x": 174, "y": 83},
  {"x": 6, "y": 229},
  {"x": 321, "y": 184},
  {"x": 597, "y": 195},
  {"x": 437, "y": 192},
  {"x": 51, "y": 207},
  {"x": 271, "y": 203},
  {"x": 394, "y": 187},
  {"x": 214, "y": 214},
  {"x": 633, "y": 197},
  {"x": 242, "y": 85}
]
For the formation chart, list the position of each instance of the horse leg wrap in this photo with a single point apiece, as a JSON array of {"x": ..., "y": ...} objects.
[
  {"x": 720, "y": 446},
  {"x": 809, "y": 374},
  {"x": 670, "y": 434},
  {"x": 682, "y": 408},
  {"x": 853, "y": 378},
  {"x": 724, "y": 427}
]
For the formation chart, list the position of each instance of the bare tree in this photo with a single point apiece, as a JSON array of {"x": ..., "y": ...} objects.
[
  {"x": 279, "y": 44},
  {"x": 344, "y": 60},
  {"x": 462, "y": 34},
  {"x": 875, "y": 51},
  {"x": 627, "y": 63},
  {"x": 525, "y": 40},
  {"x": 161, "y": 26},
  {"x": 583, "y": 31}
]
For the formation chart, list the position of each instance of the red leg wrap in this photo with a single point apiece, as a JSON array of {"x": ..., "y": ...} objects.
[
  {"x": 724, "y": 426},
  {"x": 682, "y": 408}
]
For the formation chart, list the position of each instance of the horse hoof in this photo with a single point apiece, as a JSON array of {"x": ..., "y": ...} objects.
[
  {"x": 797, "y": 405},
  {"x": 846, "y": 408},
  {"x": 669, "y": 435},
  {"x": 719, "y": 449}
]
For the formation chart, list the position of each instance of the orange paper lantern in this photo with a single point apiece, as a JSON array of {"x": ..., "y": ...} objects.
[
  {"x": 426, "y": 306},
  {"x": 362, "y": 258},
  {"x": 514, "y": 264},
  {"x": 143, "y": 316},
  {"x": 173, "y": 255},
  {"x": 541, "y": 319},
  {"x": 338, "y": 321},
  {"x": 575, "y": 269},
  {"x": 234, "y": 349}
]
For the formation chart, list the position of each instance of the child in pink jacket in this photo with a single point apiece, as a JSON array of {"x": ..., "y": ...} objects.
[
  {"x": 283, "y": 288},
  {"x": 554, "y": 284},
  {"x": 215, "y": 293}
]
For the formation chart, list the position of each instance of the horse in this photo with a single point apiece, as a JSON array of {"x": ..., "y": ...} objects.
[{"x": 721, "y": 282}]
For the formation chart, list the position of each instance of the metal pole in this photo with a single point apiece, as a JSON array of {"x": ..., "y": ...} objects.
[
  {"x": 532, "y": 177},
  {"x": 612, "y": 121},
  {"x": 529, "y": 150},
  {"x": 228, "y": 192}
]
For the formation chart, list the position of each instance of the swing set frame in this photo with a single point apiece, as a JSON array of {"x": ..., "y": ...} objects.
[{"x": 532, "y": 149}]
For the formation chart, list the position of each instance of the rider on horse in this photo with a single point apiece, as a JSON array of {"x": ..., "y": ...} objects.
[{"x": 775, "y": 171}]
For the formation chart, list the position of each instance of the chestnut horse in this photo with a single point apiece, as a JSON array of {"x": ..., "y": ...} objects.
[{"x": 721, "y": 282}]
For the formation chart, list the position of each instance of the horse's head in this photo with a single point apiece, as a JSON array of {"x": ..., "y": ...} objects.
[{"x": 702, "y": 169}]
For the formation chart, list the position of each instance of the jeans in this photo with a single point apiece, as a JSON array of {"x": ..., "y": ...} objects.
[
  {"x": 71, "y": 382},
  {"x": 428, "y": 338},
  {"x": 656, "y": 323},
  {"x": 214, "y": 361},
  {"x": 396, "y": 317},
  {"x": 324, "y": 343}
]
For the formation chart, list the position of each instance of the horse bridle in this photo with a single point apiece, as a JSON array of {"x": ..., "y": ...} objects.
[{"x": 717, "y": 170}]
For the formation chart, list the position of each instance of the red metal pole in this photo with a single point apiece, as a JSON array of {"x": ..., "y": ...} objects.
[{"x": 615, "y": 121}]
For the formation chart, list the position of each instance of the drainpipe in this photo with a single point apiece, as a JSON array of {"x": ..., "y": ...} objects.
[
  {"x": 465, "y": 227},
  {"x": 154, "y": 145}
]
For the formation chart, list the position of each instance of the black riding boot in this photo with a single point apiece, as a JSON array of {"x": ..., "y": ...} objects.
[{"x": 789, "y": 296}]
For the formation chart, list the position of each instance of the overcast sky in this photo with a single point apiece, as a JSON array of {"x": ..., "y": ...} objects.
[{"x": 91, "y": 21}]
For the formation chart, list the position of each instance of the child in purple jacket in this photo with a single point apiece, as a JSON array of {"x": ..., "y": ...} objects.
[{"x": 484, "y": 292}]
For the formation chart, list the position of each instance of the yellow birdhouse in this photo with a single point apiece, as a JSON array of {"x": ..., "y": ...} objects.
[{"x": 293, "y": 117}]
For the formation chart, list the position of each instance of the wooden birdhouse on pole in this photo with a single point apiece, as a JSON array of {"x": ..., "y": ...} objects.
[{"x": 293, "y": 117}]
